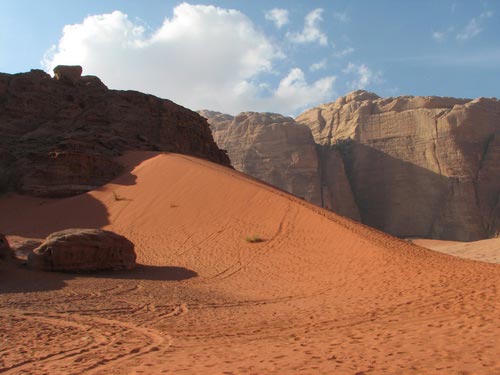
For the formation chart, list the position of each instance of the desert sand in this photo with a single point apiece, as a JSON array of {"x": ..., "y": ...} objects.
[
  {"x": 320, "y": 294},
  {"x": 484, "y": 250}
]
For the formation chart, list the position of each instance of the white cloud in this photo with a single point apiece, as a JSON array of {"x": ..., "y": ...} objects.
[
  {"x": 341, "y": 17},
  {"x": 203, "y": 57},
  {"x": 344, "y": 52},
  {"x": 471, "y": 30},
  {"x": 474, "y": 27},
  {"x": 439, "y": 36},
  {"x": 363, "y": 76},
  {"x": 442, "y": 35},
  {"x": 318, "y": 66},
  {"x": 295, "y": 93},
  {"x": 292, "y": 95},
  {"x": 311, "y": 31},
  {"x": 278, "y": 16}
]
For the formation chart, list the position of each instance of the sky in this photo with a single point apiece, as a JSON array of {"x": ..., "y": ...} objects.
[{"x": 272, "y": 56}]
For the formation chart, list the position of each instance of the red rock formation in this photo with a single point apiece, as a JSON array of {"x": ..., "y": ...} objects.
[
  {"x": 60, "y": 136},
  {"x": 83, "y": 250}
]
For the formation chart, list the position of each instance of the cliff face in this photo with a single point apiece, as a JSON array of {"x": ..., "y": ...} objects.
[
  {"x": 60, "y": 135},
  {"x": 277, "y": 150},
  {"x": 272, "y": 148},
  {"x": 418, "y": 166}
]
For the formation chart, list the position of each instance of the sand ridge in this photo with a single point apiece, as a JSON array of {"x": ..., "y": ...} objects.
[{"x": 321, "y": 294}]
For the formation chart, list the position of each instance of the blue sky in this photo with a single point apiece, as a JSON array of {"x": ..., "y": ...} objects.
[{"x": 279, "y": 56}]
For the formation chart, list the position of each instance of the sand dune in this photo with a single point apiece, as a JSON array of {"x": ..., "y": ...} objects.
[
  {"x": 484, "y": 250},
  {"x": 321, "y": 294}
]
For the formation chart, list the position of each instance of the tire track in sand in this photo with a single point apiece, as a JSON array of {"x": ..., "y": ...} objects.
[{"x": 111, "y": 343}]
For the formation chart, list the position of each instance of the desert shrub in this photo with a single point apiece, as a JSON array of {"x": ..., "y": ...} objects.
[{"x": 254, "y": 239}]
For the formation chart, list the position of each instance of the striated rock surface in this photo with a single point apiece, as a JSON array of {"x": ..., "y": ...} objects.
[
  {"x": 59, "y": 136},
  {"x": 83, "y": 250},
  {"x": 418, "y": 166},
  {"x": 277, "y": 150},
  {"x": 336, "y": 192}
]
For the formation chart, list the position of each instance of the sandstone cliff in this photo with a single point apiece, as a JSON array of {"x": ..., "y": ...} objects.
[
  {"x": 418, "y": 166},
  {"x": 59, "y": 136},
  {"x": 277, "y": 150}
]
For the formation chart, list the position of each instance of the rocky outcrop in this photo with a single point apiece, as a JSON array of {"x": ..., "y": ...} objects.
[
  {"x": 60, "y": 136},
  {"x": 277, "y": 150},
  {"x": 418, "y": 166},
  {"x": 83, "y": 250}
]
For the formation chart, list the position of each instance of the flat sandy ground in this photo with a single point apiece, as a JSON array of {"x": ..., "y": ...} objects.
[
  {"x": 320, "y": 295},
  {"x": 484, "y": 251}
]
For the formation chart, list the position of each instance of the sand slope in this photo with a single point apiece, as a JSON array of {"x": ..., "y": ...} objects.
[
  {"x": 321, "y": 294},
  {"x": 484, "y": 250}
]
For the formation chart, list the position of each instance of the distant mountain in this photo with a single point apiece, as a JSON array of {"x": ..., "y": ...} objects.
[{"x": 410, "y": 166}]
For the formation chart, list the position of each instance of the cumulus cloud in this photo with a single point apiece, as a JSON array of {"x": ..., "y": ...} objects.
[
  {"x": 293, "y": 90},
  {"x": 203, "y": 57},
  {"x": 318, "y": 66},
  {"x": 474, "y": 27},
  {"x": 362, "y": 75},
  {"x": 292, "y": 94},
  {"x": 278, "y": 16},
  {"x": 311, "y": 31}
]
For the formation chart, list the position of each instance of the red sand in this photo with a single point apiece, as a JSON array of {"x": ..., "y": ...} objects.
[{"x": 321, "y": 294}]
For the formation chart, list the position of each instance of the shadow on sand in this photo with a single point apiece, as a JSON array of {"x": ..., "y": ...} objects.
[
  {"x": 144, "y": 272},
  {"x": 16, "y": 278},
  {"x": 48, "y": 215}
]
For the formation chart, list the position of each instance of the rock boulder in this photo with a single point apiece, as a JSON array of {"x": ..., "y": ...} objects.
[
  {"x": 5, "y": 250},
  {"x": 21, "y": 247},
  {"x": 83, "y": 250},
  {"x": 68, "y": 73}
]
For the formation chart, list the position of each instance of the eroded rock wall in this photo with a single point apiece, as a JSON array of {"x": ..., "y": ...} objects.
[{"x": 418, "y": 166}]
